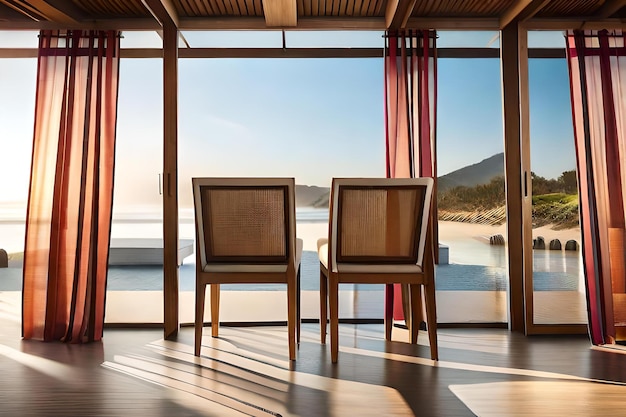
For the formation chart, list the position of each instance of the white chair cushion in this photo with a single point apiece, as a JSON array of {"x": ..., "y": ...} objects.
[
  {"x": 322, "y": 253},
  {"x": 321, "y": 241},
  {"x": 257, "y": 268}
]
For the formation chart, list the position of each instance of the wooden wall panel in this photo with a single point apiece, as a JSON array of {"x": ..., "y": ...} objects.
[
  {"x": 514, "y": 174},
  {"x": 170, "y": 174}
]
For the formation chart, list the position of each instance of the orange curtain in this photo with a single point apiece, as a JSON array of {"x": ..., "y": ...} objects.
[
  {"x": 597, "y": 63},
  {"x": 410, "y": 115},
  {"x": 70, "y": 199}
]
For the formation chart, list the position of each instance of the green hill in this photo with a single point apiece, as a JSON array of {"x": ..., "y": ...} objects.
[{"x": 476, "y": 174}]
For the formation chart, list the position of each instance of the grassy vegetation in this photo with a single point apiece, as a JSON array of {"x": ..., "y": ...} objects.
[
  {"x": 555, "y": 202},
  {"x": 478, "y": 198},
  {"x": 558, "y": 209}
]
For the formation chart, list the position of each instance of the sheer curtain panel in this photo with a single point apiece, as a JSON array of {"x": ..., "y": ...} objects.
[
  {"x": 68, "y": 221},
  {"x": 597, "y": 64},
  {"x": 410, "y": 117}
]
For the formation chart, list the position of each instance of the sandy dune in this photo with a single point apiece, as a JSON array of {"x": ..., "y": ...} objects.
[{"x": 310, "y": 232}]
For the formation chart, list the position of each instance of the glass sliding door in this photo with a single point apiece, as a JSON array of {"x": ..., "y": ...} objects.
[
  {"x": 17, "y": 109},
  {"x": 557, "y": 277},
  {"x": 471, "y": 278},
  {"x": 311, "y": 119},
  {"x": 135, "y": 280}
]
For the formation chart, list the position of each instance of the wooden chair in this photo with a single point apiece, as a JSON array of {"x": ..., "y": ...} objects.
[
  {"x": 246, "y": 233},
  {"x": 378, "y": 231}
]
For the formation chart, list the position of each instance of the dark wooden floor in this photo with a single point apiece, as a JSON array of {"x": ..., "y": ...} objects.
[{"x": 245, "y": 372}]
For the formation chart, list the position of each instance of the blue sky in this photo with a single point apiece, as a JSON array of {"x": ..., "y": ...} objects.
[
  {"x": 308, "y": 118},
  {"x": 470, "y": 114}
]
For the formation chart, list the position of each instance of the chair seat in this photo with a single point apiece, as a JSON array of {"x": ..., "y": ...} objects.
[
  {"x": 213, "y": 267},
  {"x": 322, "y": 252}
]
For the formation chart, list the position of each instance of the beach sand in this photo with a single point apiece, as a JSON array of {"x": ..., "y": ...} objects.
[
  {"x": 456, "y": 230},
  {"x": 448, "y": 231}
]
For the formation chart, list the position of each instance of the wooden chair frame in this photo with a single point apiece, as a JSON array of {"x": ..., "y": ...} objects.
[
  {"x": 215, "y": 270},
  {"x": 380, "y": 273}
]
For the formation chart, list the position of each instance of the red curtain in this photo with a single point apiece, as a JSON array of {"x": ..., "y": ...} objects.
[
  {"x": 70, "y": 199},
  {"x": 597, "y": 64},
  {"x": 410, "y": 113}
]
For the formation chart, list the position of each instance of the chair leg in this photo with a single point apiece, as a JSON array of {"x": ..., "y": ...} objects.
[
  {"x": 199, "y": 322},
  {"x": 388, "y": 316},
  {"x": 333, "y": 300},
  {"x": 298, "y": 304},
  {"x": 405, "y": 296},
  {"x": 292, "y": 317},
  {"x": 415, "y": 294},
  {"x": 431, "y": 320},
  {"x": 215, "y": 309},
  {"x": 323, "y": 305}
]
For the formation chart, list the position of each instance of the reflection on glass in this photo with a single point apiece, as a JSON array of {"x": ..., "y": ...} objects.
[
  {"x": 471, "y": 278},
  {"x": 559, "y": 292},
  {"x": 137, "y": 228},
  {"x": 17, "y": 109}
]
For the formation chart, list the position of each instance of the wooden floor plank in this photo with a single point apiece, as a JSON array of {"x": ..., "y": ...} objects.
[{"x": 246, "y": 371}]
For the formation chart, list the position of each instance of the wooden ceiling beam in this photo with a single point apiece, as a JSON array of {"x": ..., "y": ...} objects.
[
  {"x": 181, "y": 37},
  {"x": 104, "y": 24},
  {"x": 580, "y": 23},
  {"x": 398, "y": 12},
  {"x": 40, "y": 11},
  {"x": 609, "y": 8},
  {"x": 295, "y": 52},
  {"x": 280, "y": 13},
  {"x": 339, "y": 23},
  {"x": 315, "y": 23},
  {"x": 24, "y": 9},
  {"x": 53, "y": 13},
  {"x": 164, "y": 11},
  {"x": 256, "y": 23},
  {"x": 522, "y": 10},
  {"x": 453, "y": 23}
]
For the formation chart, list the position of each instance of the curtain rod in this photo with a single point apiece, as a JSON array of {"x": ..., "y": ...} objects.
[
  {"x": 70, "y": 32},
  {"x": 611, "y": 32},
  {"x": 413, "y": 32}
]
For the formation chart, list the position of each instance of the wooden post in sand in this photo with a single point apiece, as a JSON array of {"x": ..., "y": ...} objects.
[{"x": 4, "y": 259}]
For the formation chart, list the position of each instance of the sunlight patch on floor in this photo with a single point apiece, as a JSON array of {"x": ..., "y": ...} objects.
[
  {"x": 247, "y": 371},
  {"x": 542, "y": 398}
]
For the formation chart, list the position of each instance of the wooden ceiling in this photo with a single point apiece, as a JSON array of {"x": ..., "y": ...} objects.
[{"x": 309, "y": 14}]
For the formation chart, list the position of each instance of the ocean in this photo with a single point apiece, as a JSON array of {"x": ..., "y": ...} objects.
[
  {"x": 145, "y": 222},
  {"x": 473, "y": 265}
]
